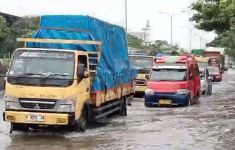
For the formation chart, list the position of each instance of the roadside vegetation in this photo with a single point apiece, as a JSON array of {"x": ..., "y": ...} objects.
[{"x": 217, "y": 16}]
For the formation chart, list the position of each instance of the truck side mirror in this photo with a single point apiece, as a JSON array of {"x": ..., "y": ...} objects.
[
  {"x": 80, "y": 70},
  {"x": 147, "y": 76},
  {"x": 86, "y": 74}
]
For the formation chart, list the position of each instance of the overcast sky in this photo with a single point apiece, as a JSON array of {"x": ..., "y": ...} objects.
[{"x": 139, "y": 11}]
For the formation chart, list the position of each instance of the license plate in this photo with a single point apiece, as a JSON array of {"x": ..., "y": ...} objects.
[
  {"x": 35, "y": 118},
  {"x": 140, "y": 88},
  {"x": 165, "y": 102}
]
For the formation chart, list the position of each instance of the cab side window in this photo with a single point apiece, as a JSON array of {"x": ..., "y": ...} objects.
[{"x": 82, "y": 59}]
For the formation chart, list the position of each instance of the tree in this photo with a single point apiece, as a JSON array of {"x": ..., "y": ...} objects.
[
  {"x": 25, "y": 27},
  {"x": 134, "y": 41},
  {"x": 218, "y": 16},
  {"x": 213, "y": 15},
  {"x": 157, "y": 47},
  {"x": 4, "y": 35},
  {"x": 4, "y": 30}
]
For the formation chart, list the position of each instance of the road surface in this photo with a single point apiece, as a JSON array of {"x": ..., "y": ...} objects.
[{"x": 207, "y": 125}]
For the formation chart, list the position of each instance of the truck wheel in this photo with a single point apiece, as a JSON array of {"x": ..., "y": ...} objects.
[
  {"x": 189, "y": 101},
  {"x": 123, "y": 110},
  {"x": 203, "y": 92},
  {"x": 80, "y": 125},
  {"x": 147, "y": 105},
  {"x": 18, "y": 127}
]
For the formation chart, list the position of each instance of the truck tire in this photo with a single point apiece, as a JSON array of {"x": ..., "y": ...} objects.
[
  {"x": 18, "y": 127},
  {"x": 189, "y": 101},
  {"x": 147, "y": 105},
  {"x": 80, "y": 125},
  {"x": 204, "y": 92},
  {"x": 123, "y": 109}
]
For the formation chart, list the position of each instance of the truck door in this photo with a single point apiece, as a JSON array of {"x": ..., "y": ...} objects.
[
  {"x": 82, "y": 59},
  {"x": 83, "y": 84}
]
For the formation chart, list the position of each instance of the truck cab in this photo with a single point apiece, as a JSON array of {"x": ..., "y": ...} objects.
[
  {"x": 173, "y": 81},
  {"x": 143, "y": 65}
]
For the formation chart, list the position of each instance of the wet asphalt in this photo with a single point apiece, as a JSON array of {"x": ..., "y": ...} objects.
[{"x": 209, "y": 125}]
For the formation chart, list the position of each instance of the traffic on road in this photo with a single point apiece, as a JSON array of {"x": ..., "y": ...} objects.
[
  {"x": 70, "y": 81},
  {"x": 208, "y": 124}
]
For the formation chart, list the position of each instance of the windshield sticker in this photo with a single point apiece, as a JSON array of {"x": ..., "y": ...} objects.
[{"x": 46, "y": 55}]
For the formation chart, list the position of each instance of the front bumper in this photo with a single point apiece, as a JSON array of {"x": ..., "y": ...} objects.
[
  {"x": 48, "y": 118},
  {"x": 216, "y": 79},
  {"x": 140, "y": 89},
  {"x": 176, "y": 99}
]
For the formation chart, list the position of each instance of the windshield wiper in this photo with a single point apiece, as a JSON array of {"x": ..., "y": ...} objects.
[
  {"x": 29, "y": 74},
  {"x": 56, "y": 74}
]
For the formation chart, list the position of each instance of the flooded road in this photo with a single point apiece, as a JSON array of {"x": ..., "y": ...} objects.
[{"x": 208, "y": 125}]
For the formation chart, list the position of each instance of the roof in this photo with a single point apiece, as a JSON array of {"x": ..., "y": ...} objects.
[
  {"x": 140, "y": 56},
  {"x": 174, "y": 59}
]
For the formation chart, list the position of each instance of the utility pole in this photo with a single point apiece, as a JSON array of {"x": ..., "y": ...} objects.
[
  {"x": 200, "y": 42},
  {"x": 126, "y": 16},
  {"x": 190, "y": 39},
  {"x": 126, "y": 24},
  {"x": 171, "y": 17}
]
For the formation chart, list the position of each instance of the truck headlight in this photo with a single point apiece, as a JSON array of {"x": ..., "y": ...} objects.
[
  {"x": 11, "y": 102},
  {"x": 149, "y": 92},
  {"x": 11, "y": 105},
  {"x": 182, "y": 91},
  {"x": 67, "y": 105}
]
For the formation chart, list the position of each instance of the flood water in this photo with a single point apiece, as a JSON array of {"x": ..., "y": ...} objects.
[{"x": 207, "y": 125}]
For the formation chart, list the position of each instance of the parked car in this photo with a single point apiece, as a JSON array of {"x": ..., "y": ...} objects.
[
  {"x": 206, "y": 82},
  {"x": 215, "y": 73},
  {"x": 173, "y": 81}
]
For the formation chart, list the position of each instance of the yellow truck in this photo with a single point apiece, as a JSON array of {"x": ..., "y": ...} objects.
[
  {"x": 202, "y": 61},
  {"x": 50, "y": 83},
  {"x": 143, "y": 64}
]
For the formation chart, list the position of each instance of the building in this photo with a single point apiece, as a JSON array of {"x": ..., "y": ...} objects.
[{"x": 144, "y": 34}]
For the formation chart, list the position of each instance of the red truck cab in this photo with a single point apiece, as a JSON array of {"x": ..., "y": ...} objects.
[{"x": 174, "y": 80}]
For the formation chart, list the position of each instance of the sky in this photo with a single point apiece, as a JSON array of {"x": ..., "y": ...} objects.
[{"x": 113, "y": 11}]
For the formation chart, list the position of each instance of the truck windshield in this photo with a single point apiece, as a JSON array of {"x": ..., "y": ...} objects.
[
  {"x": 168, "y": 75},
  {"x": 141, "y": 62},
  {"x": 213, "y": 70},
  {"x": 41, "y": 67},
  {"x": 202, "y": 64}
]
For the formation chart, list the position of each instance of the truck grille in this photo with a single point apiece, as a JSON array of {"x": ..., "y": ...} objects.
[
  {"x": 140, "y": 82},
  {"x": 37, "y": 103}
]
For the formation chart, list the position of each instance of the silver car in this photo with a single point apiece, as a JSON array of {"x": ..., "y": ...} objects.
[{"x": 206, "y": 82}]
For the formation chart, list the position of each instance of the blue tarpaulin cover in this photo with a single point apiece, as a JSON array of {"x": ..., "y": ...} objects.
[{"x": 114, "y": 68}]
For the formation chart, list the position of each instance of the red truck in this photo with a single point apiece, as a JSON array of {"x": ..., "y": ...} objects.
[
  {"x": 216, "y": 57},
  {"x": 174, "y": 80}
]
